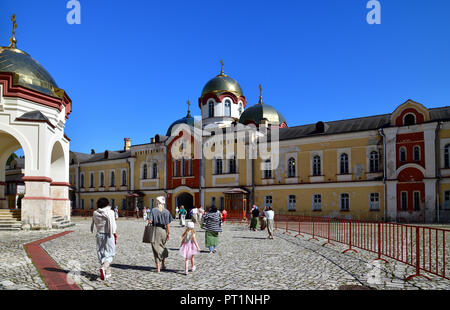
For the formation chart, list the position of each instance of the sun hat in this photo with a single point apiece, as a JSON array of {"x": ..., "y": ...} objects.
[
  {"x": 190, "y": 225},
  {"x": 161, "y": 199}
]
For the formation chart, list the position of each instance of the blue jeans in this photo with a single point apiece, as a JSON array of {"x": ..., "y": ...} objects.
[{"x": 211, "y": 248}]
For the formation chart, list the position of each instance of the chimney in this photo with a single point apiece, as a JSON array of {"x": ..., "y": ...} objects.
[{"x": 127, "y": 144}]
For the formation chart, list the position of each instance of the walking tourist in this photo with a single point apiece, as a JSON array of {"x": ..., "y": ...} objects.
[
  {"x": 182, "y": 212},
  {"x": 176, "y": 212},
  {"x": 263, "y": 219},
  {"x": 116, "y": 212},
  {"x": 144, "y": 213},
  {"x": 189, "y": 247},
  {"x": 160, "y": 219},
  {"x": 200, "y": 214},
  {"x": 224, "y": 216},
  {"x": 137, "y": 211},
  {"x": 255, "y": 218},
  {"x": 105, "y": 224},
  {"x": 211, "y": 225},
  {"x": 270, "y": 215},
  {"x": 194, "y": 215}
]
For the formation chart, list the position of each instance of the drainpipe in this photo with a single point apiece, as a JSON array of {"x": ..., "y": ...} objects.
[
  {"x": 384, "y": 171},
  {"x": 438, "y": 170}
]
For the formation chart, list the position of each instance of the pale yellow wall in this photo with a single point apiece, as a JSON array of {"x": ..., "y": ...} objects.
[{"x": 359, "y": 201}]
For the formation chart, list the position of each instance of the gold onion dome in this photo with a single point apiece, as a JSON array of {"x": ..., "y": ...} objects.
[
  {"x": 222, "y": 83},
  {"x": 262, "y": 112},
  {"x": 26, "y": 71}
]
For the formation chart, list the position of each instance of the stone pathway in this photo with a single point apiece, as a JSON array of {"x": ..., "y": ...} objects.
[{"x": 246, "y": 260}]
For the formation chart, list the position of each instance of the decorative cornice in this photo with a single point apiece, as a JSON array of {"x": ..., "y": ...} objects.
[{"x": 11, "y": 90}]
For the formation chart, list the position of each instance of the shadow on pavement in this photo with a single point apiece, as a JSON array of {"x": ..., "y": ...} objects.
[{"x": 88, "y": 275}]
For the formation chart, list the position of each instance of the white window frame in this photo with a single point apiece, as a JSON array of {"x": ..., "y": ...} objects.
[
  {"x": 227, "y": 109},
  {"x": 402, "y": 150},
  {"x": 419, "y": 153},
  {"x": 292, "y": 202},
  {"x": 374, "y": 201},
  {"x": 268, "y": 200},
  {"x": 317, "y": 202},
  {"x": 343, "y": 198}
]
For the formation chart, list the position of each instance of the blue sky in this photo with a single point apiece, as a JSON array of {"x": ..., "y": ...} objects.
[{"x": 130, "y": 66}]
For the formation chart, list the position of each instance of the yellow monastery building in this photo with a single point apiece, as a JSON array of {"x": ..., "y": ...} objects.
[{"x": 392, "y": 167}]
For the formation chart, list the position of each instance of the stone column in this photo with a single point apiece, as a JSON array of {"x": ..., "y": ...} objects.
[
  {"x": 3, "y": 202},
  {"x": 37, "y": 205},
  {"x": 59, "y": 192}
]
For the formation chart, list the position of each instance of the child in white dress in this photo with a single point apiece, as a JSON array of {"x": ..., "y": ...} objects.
[{"x": 189, "y": 247}]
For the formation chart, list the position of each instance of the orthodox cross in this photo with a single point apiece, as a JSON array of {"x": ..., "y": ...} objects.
[
  {"x": 221, "y": 70},
  {"x": 13, "y": 38},
  {"x": 260, "y": 93}
]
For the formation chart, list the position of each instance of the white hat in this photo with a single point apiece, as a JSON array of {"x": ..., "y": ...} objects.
[
  {"x": 161, "y": 199},
  {"x": 190, "y": 225}
]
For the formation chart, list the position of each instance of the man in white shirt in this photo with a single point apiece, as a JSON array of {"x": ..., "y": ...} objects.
[{"x": 270, "y": 215}]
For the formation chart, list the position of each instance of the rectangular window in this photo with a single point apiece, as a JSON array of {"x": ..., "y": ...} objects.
[
  {"x": 268, "y": 201},
  {"x": 222, "y": 203},
  {"x": 82, "y": 204},
  {"x": 190, "y": 167},
  {"x": 345, "y": 202},
  {"x": 213, "y": 201},
  {"x": 113, "y": 203},
  {"x": 91, "y": 180},
  {"x": 317, "y": 202},
  {"x": 404, "y": 200},
  {"x": 124, "y": 204},
  {"x": 374, "y": 201},
  {"x": 416, "y": 196},
  {"x": 447, "y": 200},
  {"x": 91, "y": 204},
  {"x": 292, "y": 203}
]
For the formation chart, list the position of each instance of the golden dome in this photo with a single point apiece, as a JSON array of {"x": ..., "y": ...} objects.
[
  {"x": 222, "y": 83},
  {"x": 27, "y": 71}
]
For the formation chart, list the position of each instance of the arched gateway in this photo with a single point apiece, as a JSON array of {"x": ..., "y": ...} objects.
[{"x": 33, "y": 112}]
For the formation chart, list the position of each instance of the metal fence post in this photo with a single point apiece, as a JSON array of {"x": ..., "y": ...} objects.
[
  {"x": 379, "y": 244},
  {"x": 417, "y": 274},
  {"x": 350, "y": 240}
]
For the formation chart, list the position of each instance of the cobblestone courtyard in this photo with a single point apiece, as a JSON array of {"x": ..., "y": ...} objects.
[{"x": 245, "y": 260}]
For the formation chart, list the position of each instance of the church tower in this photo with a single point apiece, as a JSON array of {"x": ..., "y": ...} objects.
[{"x": 222, "y": 101}]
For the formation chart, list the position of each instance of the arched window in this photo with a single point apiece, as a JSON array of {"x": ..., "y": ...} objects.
[
  {"x": 219, "y": 166},
  {"x": 447, "y": 156},
  {"x": 291, "y": 167},
  {"x": 227, "y": 107},
  {"x": 91, "y": 180},
  {"x": 102, "y": 179},
  {"x": 82, "y": 180},
  {"x": 316, "y": 165},
  {"x": 416, "y": 153},
  {"x": 344, "y": 163},
  {"x": 124, "y": 177},
  {"x": 144, "y": 171},
  {"x": 113, "y": 179},
  {"x": 154, "y": 171},
  {"x": 232, "y": 165},
  {"x": 240, "y": 108},
  {"x": 211, "y": 109},
  {"x": 410, "y": 119},
  {"x": 374, "y": 162},
  {"x": 402, "y": 154},
  {"x": 268, "y": 169}
]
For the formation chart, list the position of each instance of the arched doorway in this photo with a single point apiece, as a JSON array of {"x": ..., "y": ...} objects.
[
  {"x": 8, "y": 188},
  {"x": 186, "y": 200}
]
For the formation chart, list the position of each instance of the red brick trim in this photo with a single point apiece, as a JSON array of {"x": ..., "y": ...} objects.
[
  {"x": 2, "y": 183},
  {"x": 54, "y": 277},
  {"x": 61, "y": 199},
  {"x": 60, "y": 184},
  {"x": 36, "y": 179},
  {"x": 37, "y": 198}
]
